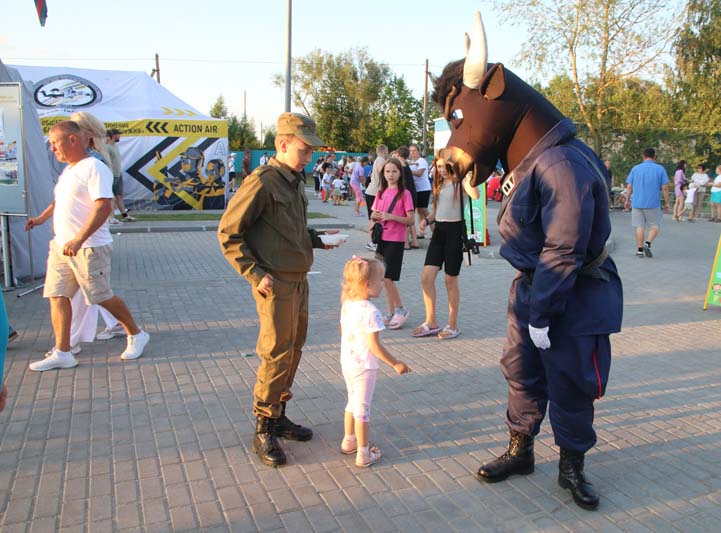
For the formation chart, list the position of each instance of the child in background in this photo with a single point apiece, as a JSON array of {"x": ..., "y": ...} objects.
[
  {"x": 394, "y": 235},
  {"x": 361, "y": 322},
  {"x": 688, "y": 202},
  {"x": 715, "y": 199},
  {"x": 337, "y": 190},
  {"x": 326, "y": 183}
]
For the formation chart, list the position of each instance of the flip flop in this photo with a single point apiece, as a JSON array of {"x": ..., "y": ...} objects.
[
  {"x": 449, "y": 333},
  {"x": 424, "y": 330}
]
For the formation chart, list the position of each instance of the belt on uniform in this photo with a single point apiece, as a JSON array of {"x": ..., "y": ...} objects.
[
  {"x": 588, "y": 270},
  {"x": 290, "y": 276}
]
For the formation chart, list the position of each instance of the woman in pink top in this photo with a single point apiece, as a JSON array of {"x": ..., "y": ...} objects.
[
  {"x": 679, "y": 178},
  {"x": 394, "y": 235}
]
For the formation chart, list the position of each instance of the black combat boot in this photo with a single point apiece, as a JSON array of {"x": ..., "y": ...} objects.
[
  {"x": 265, "y": 443},
  {"x": 570, "y": 476},
  {"x": 518, "y": 459},
  {"x": 285, "y": 429}
]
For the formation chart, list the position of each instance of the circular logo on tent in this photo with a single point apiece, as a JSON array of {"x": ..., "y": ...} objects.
[{"x": 66, "y": 90}]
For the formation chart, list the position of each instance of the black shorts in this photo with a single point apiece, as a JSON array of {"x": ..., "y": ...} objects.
[
  {"x": 117, "y": 185},
  {"x": 446, "y": 247},
  {"x": 422, "y": 197},
  {"x": 369, "y": 204},
  {"x": 392, "y": 254}
]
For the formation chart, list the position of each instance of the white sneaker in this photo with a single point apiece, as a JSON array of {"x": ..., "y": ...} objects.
[
  {"x": 75, "y": 350},
  {"x": 113, "y": 221},
  {"x": 136, "y": 344},
  {"x": 372, "y": 247},
  {"x": 56, "y": 359},
  {"x": 128, "y": 218},
  {"x": 108, "y": 333}
]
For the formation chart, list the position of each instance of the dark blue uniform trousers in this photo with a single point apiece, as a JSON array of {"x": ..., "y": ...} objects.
[{"x": 570, "y": 375}]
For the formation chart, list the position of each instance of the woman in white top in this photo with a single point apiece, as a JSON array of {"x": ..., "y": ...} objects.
[{"x": 445, "y": 249}]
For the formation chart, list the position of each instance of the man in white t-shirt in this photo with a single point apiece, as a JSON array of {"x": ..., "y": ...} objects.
[
  {"x": 419, "y": 169},
  {"x": 79, "y": 257}
]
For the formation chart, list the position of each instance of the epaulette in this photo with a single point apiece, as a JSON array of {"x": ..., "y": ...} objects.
[{"x": 259, "y": 171}]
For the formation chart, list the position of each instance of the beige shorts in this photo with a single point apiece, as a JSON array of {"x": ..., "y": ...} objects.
[{"x": 88, "y": 271}]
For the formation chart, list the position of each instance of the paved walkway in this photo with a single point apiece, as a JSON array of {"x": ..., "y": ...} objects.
[{"x": 163, "y": 443}]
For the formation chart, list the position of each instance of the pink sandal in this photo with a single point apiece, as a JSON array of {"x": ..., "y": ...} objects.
[
  {"x": 424, "y": 330},
  {"x": 374, "y": 455},
  {"x": 348, "y": 451}
]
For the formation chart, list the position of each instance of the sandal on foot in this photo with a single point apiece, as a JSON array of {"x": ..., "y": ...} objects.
[
  {"x": 348, "y": 451},
  {"x": 374, "y": 455},
  {"x": 424, "y": 330},
  {"x": 449, "y": 333}
]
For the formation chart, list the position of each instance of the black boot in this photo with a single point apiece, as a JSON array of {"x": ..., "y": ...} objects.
[
  {"x": 570, "y": 476},
  {"x": 518, "y": 459},
  {"x": 285, "y": 429},
  {"x": 265, "y": 444}
]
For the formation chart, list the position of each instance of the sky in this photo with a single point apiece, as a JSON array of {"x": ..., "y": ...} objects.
[{"x": 233, "y": 48}]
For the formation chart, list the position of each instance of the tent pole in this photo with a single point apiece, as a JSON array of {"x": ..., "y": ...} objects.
[{"x": 7, "y": 269}]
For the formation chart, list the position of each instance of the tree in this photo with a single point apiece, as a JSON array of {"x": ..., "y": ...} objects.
[
  {"x": 597, "y": 43},
  {"x": 356, "y": 102},
  {"x": 697, "y": 79},
  {"x": 269, "y": 138},
  {"x": 396, "y": 118},
  {"x": 241, "y": 133},
  {"x": 219, "y": 109}
]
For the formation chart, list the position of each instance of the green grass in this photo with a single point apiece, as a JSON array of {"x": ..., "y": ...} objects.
[{"x": 179, "y": 216}]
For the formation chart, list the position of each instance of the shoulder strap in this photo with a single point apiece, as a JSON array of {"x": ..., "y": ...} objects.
[
  {"x": 393, "y": 203},
  {"x": 593, "y": 164}
]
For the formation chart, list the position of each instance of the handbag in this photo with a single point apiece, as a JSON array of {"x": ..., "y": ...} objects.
[{"x": 377, "y": 229}]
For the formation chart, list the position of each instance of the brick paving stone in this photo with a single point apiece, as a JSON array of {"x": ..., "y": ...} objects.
[{"x": 164, "y": 442}]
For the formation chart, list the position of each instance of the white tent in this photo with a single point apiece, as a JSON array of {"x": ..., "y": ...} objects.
[
  {"x": 173, "y": 156},
  {"x": 39, "y": 181}
]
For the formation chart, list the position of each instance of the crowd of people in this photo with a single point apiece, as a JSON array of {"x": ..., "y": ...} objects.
[{"x": 648, "y": 181}]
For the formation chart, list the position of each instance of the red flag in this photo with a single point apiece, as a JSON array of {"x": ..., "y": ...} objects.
[{"x": 42, "y": 10}]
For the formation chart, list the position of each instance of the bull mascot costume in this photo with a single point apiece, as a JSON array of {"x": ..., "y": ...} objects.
[{"x": 554, "y": 223}]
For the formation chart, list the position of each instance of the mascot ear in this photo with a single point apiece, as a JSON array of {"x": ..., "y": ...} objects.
[{"x": 493, "y": 84}]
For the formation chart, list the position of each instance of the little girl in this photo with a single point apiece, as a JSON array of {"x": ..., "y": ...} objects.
[
  {"x": 394, "y": 234},
  {"x": 361, "y": 321},
  {"x": 326, "y": 182}
]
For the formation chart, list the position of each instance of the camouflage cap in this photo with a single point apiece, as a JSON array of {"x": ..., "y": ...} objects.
[{"x": 301, "y": 126}]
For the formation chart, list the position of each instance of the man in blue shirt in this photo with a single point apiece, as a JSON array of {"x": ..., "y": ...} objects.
[{"x": 645, "y": 181}]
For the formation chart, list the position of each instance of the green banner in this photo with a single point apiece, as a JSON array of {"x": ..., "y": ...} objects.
[
  {"x": 713, "y": 294},
  {"x": 478, "y": 208}
]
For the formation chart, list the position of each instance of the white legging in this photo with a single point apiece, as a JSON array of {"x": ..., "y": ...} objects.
[{"x": 360, "y": 385}]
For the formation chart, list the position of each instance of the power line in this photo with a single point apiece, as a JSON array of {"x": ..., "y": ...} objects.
[{"x": 185, "y": 60}]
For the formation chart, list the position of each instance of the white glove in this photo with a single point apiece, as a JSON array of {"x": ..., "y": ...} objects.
[{"x": 539, "y": 336}]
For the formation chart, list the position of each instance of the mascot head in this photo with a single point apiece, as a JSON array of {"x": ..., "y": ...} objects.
[{"x": 493, "y": 114}]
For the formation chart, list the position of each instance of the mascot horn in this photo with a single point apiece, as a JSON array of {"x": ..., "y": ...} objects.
[{"x": 567, "y": 297}]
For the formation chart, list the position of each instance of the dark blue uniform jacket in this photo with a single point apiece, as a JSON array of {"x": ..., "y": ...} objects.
[{"x": 556, "y": 221}]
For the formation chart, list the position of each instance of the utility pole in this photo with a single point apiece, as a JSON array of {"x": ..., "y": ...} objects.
[
  {"x": 244, "y": 94},
  {"x": 157, "y": 68},
  {"x": 288, "y": 56},
  {"x": 425, "y": 109}
]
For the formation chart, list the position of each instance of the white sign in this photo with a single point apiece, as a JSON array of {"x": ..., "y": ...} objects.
[{"x": 12, "y": 171}]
